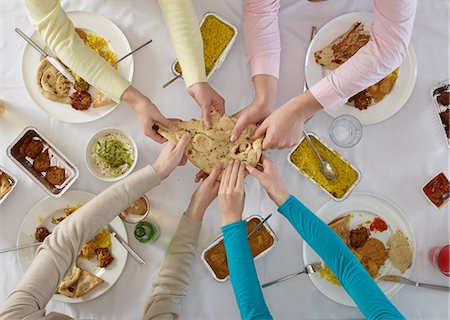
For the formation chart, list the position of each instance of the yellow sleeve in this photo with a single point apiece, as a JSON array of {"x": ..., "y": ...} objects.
[
  {"x": 186, "y": 38},
  {"x": 59, "y": 34}
]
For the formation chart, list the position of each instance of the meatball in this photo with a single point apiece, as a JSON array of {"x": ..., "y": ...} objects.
[
  {"x": 359, "y": 236},
  {"x": 56, "y": 175},
  {"x": 42, "y": 162},
  {"x": 104, "y": 257},
  {"x": 80, "y": 100},
  {"x": 41, "y": 233},
  {"x": 33, "y": 148}
]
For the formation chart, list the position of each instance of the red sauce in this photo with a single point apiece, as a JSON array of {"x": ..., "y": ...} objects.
[
  {"x": 436, "y": 188},
  {"x": 378, "y": 225}
]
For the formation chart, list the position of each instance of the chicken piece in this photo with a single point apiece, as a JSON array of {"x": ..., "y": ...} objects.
[
  {"x": 359, "y": 236},
  {"x": 104, "y": 257},
  {"x": 41, "y": 233}
]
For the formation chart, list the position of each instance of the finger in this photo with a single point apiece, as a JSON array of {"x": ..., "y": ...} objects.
[
  {"x": 201, "y": 175},
  {"x": 234, "y": 173},
  {"x": 214, "y": 174},
  {"x": 238, "y": 128},
  {"x": 151, "y": 133},
  {"x": 259, "y": 132},
  {"x": 207, "y": 117},
  {"x": 226, "y": 175},
  {"x": 181, "y": 145},
  {"x": 254, "y": 172},
  {"x": 241, "y": 176},
  {"x": 170, "y": 124},
  {"x": 183, "y": 161}
]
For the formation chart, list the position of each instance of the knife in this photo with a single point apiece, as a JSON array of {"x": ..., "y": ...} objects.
[
  {"x": 403, "y": 280},
  {"x": 125, "y": 245},
  {"x": 24, "y": 246},
  {"x": 259, "y": 225},
  {"x": 55, "y": 62}
]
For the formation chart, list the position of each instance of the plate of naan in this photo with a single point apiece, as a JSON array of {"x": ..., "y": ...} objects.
[
  {"x": 54, "y": 94},
  {"x": 100, "y": 261},
  {"x": 379, "y": 235},
  {"x": 334, "y": 44}
]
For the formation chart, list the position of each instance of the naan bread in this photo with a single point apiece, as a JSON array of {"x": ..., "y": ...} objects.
[
  {"x": 400, "y": 251},
  {"x": 86, "y": 282},
  {"x": 101, "y": 99},
  {"x": 209, "y": 146},
  {"x": 342, "y": 228},
  {"x": 67, "y": 286},
  {"x": 51, "y": 83},
  {"x": 5, "y": 184},
  {"x": 340, "y": 50}
]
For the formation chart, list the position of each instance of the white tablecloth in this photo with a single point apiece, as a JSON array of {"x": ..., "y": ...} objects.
[{"x": 396, "y": 158}]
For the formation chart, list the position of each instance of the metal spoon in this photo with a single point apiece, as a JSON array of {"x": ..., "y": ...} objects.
[
  {"x": 165, "y": 85},
  {"x": 325, "y": 166}
]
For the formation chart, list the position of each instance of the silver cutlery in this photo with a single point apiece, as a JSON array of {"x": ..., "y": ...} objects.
[
  {"x": 24, "y": 246},
  {"x": 309, "y": 269},
  {"x": 392, "y": 278},
  {"x": 259, "y": 225},
  {"x": 55, "y": 62},
  {"x": 125, "y": 245},
  {"x": 165, "y": 85},
  {"x": 133, "y": 51}
]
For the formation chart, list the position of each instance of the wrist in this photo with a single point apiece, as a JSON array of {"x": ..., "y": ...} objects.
[
  {"x": 305, "y": 105},
  {"x": 227, "y": 219},
  {"x": 162, "y": 174},
  {"x": 279, "y": 195},
  {"x": 194, "y": 212}
]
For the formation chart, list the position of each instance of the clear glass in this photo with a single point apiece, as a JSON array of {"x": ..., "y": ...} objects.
[{"x": 346, "y": 131}]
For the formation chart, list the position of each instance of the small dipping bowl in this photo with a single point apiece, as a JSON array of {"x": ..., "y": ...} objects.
[
  {"x": 346, "y": 131},
  {"x": 146, "y": 231},
  {"x": 132, "y": 213}
]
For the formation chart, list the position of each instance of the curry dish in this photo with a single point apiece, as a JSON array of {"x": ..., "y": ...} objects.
[
  {"x": 260, "y": 241},
  {"x": 308, "y": 163},
  {"x": 216, "y": 36}
]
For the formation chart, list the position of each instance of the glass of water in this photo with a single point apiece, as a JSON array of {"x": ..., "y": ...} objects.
[{"x": 346, "y": 131}]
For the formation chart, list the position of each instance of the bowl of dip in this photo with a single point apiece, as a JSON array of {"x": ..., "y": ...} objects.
[
  {"x": 111, "y": 155},
  {"x": 137, "y": 211}
]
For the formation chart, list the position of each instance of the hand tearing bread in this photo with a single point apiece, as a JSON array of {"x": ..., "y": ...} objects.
[{"x": 209, "y": 146}]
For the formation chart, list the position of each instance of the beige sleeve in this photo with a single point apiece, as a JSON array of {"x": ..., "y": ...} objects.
[
  {"x": 172, "y": 281},
  {"x": 186, "y": 38},
  {"x": 60, "y": 249},
  {"x": 59, "y": 34}
]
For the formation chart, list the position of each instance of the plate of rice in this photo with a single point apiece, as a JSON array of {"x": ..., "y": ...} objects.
[{"x": 108, "y": 41}]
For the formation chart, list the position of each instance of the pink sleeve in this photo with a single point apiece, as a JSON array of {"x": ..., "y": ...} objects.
[
  {"x": 390, "y": 35},
  {"x": 262, "y": 36}
]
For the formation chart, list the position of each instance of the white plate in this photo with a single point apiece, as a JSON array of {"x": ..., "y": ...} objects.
[
  {"x": 392, "y": 103},
  {"x": 90, "y": 22},
  {"x": 49, "y": 208},
  {"x": 363, "y": 207}
]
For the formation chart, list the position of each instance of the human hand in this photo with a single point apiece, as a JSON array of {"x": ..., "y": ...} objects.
[
  {"x": 262, "y": 105},
  {"x": 208, "y": 100},
  {"x": 231, "y": 192},
  {"x": 284, "y": 127},
  {"x": 147, "y": 113},
  {"x": 204, "y": 195},
  {"x": 270, "y": 179},
  {"x": 170, "y": 157}
]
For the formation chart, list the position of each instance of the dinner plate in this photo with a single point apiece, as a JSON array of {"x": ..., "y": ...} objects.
[
  {"x": 93, "y": 23},
  {"x": 41, "y": 215},
  {"x": 392, "y": 103},
  {"x": 363, "y": 207}
]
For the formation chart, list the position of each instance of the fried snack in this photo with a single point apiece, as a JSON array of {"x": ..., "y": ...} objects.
[
  {"x": 361, "y": 100},
  {"x": 358, "y": 237},
  {"x": 5, "y": 184},
  {"x": 81, "y": 85},
  {"x": 209, "y": 146},
  {"x": 80, "y": 100},
  {"x": 444, "y": 98},
  {"x": 104, "y": 257},
  {"x": 42, "y": 161},
  {"x": 86, "y": 282},
  {"x": 55, "y": 175},
  {"x": 41, "y": 233},
  {"x": 375, "y": 250},
  {"x": 101, "y": 100},
  {"x": 33, "y": 148}
]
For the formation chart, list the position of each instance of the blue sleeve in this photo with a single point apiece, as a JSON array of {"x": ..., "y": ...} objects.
[
  {"x": 351, "y": 274},
  {"x": 244, "y": 279}
]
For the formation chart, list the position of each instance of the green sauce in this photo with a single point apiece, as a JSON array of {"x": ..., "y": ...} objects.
[{"x": 114, "y": 153}]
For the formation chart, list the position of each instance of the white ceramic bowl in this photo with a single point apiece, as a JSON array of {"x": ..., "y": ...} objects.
[{"x": 90, "y": 161}]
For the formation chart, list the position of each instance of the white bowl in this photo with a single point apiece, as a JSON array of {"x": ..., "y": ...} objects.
[{"x": 90, "y": 161}]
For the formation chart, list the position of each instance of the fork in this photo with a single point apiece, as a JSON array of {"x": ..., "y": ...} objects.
[{"x": 309, "y": 269}]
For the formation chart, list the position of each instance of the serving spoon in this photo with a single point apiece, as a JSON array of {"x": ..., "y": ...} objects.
[{"x": 325, "y": 166}]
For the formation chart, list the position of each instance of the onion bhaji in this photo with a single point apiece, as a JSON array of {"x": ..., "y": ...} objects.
[
  {"x": 56, "y": 175},
  {"x": 31, "y": 148},
  {"x": 104, "y": 257},
  {"x": 80, "y": 100},
  {"x": 41, "y": 233},
  {"x": 361, "y": 100},
  {"x": 42, "y": 162}
]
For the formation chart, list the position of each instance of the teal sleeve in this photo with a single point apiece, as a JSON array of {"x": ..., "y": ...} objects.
[
  {"x": 342, "y": 262},
  {"x": 244, "y": 279}
]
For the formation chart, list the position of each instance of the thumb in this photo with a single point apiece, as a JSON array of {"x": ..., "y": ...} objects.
[
  {"x": 167, "y": 122},
  {"x": 181, "y": 145},
  {"x": 254, "y": 172},
  {"x": 215, "y": 172},
  {"x": 206, "y": 117},
  {"x": 238, "y": 128},
  {"x": 259, "y": 132}
]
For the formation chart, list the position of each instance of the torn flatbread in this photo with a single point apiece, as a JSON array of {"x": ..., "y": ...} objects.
[
  {"x": 400, "y": 251},
  {"x": 209, "y": 146},
  {"x": 51, "y": 83}
]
